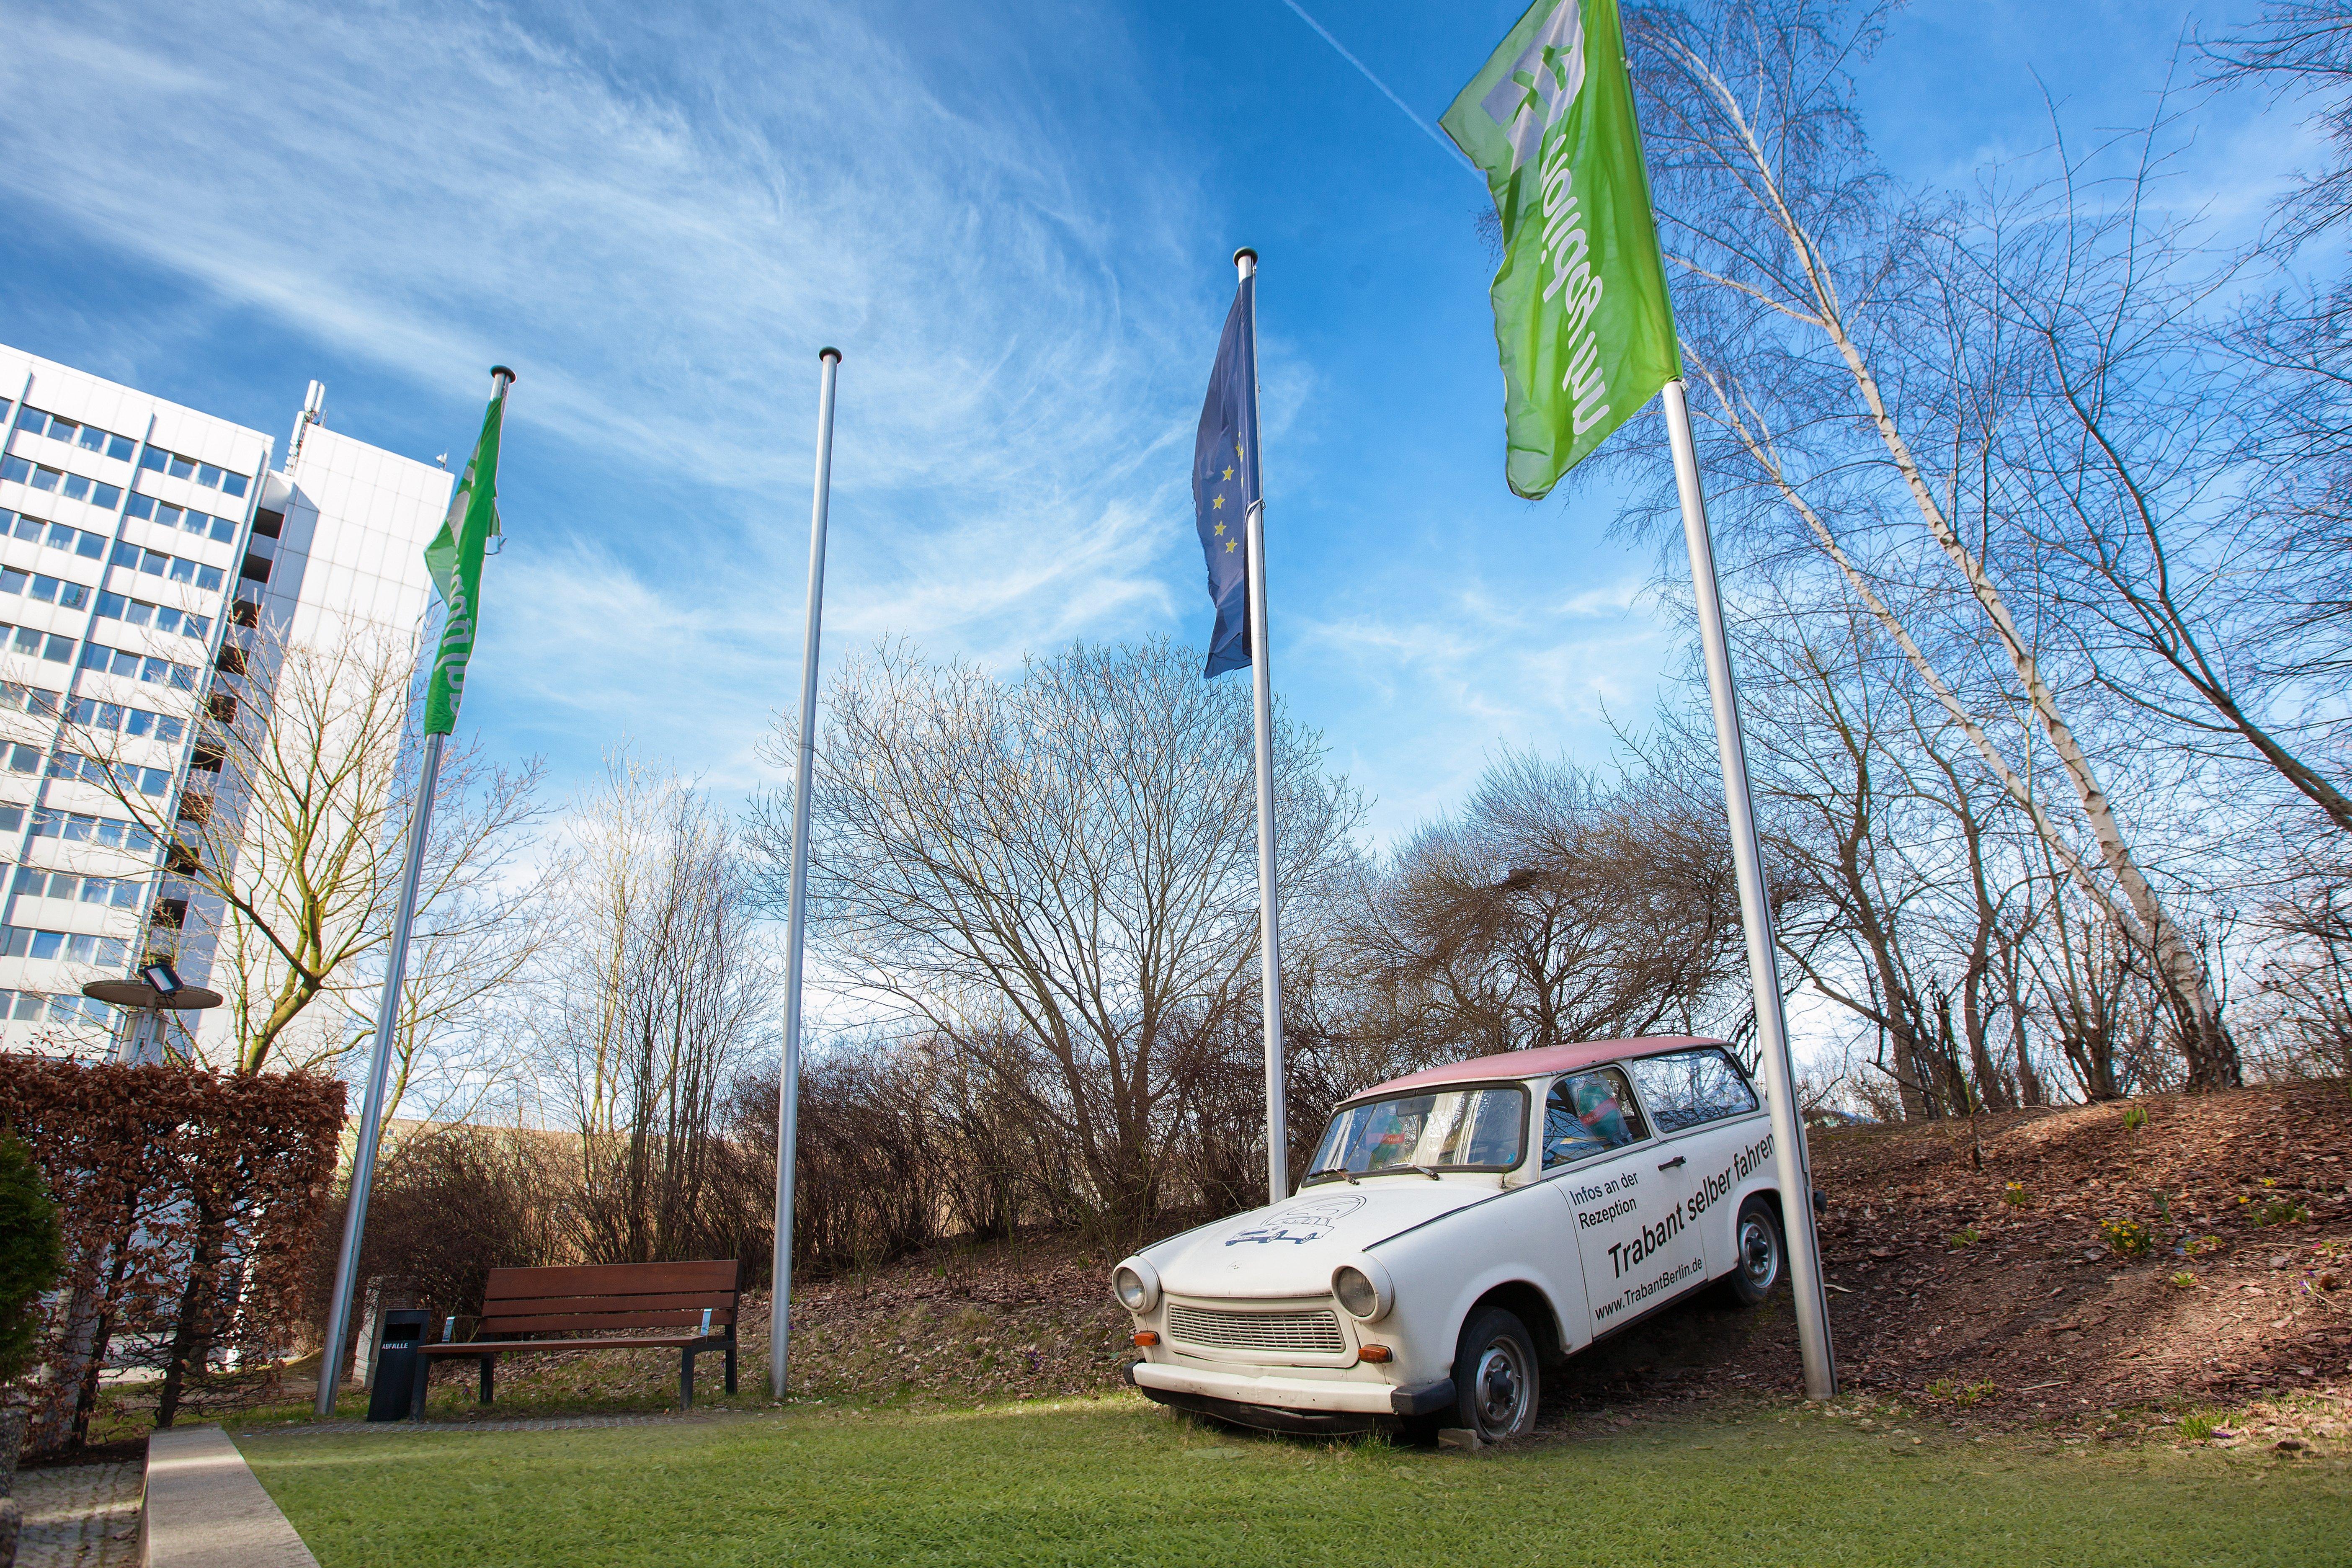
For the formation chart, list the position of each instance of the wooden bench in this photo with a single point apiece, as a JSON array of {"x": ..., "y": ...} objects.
[{"x": 601, "y": 1299}]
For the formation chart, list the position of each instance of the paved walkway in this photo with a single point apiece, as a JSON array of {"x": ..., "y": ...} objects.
[
  {"x": 204, "y": 1510},
  {"x": 80, "y": 1516}
]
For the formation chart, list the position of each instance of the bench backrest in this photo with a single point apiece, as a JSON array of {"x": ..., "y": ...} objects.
[{"x": 599, "y": 1298}]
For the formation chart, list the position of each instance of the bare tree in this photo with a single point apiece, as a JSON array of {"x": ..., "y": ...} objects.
[
  {"x": 457, "y": 1048},
  {"x": 1058, "y": 868},
  {"x": 655, "y": 987},
  {"x": 283, "y": 839},
  {"x": 2301, "y": 49},
  {"x": 1557, "y": 908}
]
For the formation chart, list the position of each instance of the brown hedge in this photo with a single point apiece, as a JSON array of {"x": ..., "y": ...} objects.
[{"x": 187, "y": 1199}]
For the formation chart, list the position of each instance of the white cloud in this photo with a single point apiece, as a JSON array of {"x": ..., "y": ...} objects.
[{"x": 658, "y": 222}]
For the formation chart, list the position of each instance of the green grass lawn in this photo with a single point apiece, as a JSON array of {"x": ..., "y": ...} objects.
[{"x": 1117, "y": 1482}]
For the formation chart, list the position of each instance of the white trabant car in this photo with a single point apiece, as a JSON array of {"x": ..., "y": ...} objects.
[{"x": 1459, "y": 1228}]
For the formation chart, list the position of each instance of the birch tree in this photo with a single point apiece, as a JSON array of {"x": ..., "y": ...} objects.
[{"x": 1801, "y": 252}]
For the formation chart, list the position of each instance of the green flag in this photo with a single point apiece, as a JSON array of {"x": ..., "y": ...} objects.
[
  {"x": 1581, "y": 314},
  {"x": 455, "y": 559}
]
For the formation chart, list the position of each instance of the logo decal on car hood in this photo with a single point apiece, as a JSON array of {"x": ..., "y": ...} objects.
[{"x": 1301, "y": 1222}]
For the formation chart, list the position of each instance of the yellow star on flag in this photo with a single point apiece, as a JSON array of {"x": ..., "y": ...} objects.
[
  {"x": 1217, "y": 502},
  {"x": 1229, "y": 547},
  {"x": 1229, "y": 471},
  {"x": 1221, "y": 530}
]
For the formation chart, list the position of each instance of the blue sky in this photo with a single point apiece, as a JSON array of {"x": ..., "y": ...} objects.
[{"x": 1015, "y": 220}]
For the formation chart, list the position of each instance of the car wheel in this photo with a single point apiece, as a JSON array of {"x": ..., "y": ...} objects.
[
  {"x": 1756, "y": 1239},
  {"x": 1496, "y": 1383}
]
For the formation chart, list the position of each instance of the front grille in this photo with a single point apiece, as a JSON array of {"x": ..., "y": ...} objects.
[{"x": 1305, "y": 1333}]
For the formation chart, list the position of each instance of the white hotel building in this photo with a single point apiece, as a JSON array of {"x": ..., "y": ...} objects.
[{"x": 134, "y": 534}]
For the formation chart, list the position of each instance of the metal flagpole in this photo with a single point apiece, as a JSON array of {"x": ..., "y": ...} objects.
[
  {"x": 1269, "y": 925},
  {"x": 1789, "y": 1165},
  {"x": 387, "y": 1018},
  {"x": 788, "y": 1087}
]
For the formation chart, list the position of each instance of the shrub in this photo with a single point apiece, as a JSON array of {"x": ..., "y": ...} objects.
[
  {"x": 2015, "y": 1196},
  {"x": 30, "y": 1255},
  {"x": 2135, "y": 1117},
  {"x": 185, "y": 1200},
  {"x": 2183, "y": 1281},
  {"x": 448, "y": 1207},
  {"x": 2128, "y": 1237},
  {"x": 1968, "y": 1238}
]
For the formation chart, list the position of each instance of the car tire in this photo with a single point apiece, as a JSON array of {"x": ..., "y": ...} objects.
[
  {"x": 1762, "y": 1252},
  {"x": 1495, "y": 1380}
]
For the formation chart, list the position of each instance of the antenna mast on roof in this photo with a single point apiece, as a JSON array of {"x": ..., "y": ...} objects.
[{"x": 314, "y": 412}]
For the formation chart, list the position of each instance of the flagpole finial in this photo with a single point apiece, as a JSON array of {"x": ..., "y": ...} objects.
[
  {"x": 503, "y": 374},
  {"x": 1245, "y": 251},
  {"x": 829, "y": 352}
]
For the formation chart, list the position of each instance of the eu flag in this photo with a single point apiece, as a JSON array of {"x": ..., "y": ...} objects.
[{"x": 1225, "y": 480}]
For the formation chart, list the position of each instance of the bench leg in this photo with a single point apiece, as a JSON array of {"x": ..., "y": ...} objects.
[
  {"x": 730, "y": 1358},
  {"x": 685, "y": 1380},
  {"x": 488, "y": 1362}
]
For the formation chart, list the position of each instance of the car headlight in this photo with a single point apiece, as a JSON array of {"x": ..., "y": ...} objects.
[
  {"x": 1137, "y": 1285},
  {"x": 1364, "y": 1288}
]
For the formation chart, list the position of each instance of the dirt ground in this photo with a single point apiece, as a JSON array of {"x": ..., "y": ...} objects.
[
  {"x": 1985, "y": 1292},
  {"x": 2012, "y": 1291}
]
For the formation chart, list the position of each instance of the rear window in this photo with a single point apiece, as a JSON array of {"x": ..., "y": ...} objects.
[{"x": 1689, "y": 1088}]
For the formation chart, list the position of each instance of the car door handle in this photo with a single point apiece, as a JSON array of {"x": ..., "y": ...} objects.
[{"x": 1670, "y": 1165}]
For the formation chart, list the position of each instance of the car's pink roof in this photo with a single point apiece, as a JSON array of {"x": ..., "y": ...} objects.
[{"x": 1535, "y": 1063}]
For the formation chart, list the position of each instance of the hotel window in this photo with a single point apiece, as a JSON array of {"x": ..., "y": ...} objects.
[
  {"x": 47, "y": 590},
  {"x": 155, "y": 564},
  {"x": 89, "y": 437},
  {"x": 53, "y": 646},
  {"x": 140, "y": 613},
  {"x": 81, "y": 827},
  {"x": 18, "y": 698},
  {"x": 206, "y": 474},
  {"x": 188, "y": 519},
  {"x": 119, "y": 892},
  {"x": 92, "y": 714},
  {"x": 74, "y": 947}
]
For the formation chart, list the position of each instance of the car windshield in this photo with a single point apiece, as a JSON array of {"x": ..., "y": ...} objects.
[{"x": 1455, "y": 1129}]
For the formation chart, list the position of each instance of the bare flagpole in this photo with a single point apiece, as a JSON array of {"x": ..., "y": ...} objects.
[
  {"x": 788, "y": 1086},
  {"x": 1269, "y": 924},
  {"x": 387, "y": 1019},
  {"x": 1790, "y": 1168}
]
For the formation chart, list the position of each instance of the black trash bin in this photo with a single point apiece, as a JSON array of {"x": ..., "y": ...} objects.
[{"x": 404, "y": 1329}]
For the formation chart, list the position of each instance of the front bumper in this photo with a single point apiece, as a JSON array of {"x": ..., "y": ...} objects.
[{"x": 1326, "y": 1395}]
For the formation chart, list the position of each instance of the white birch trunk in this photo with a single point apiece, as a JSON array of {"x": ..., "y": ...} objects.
[{"x": 2212, "y": 1059}]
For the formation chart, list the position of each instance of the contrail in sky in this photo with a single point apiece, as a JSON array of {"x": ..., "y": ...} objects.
[{"x": 1426, "y": 127}]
